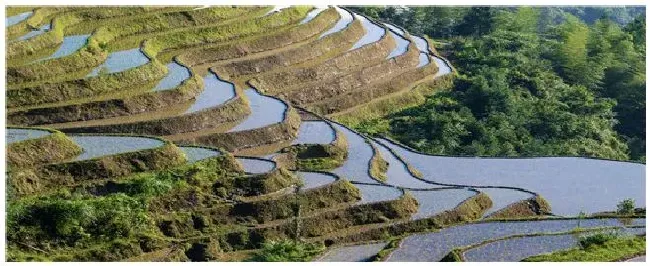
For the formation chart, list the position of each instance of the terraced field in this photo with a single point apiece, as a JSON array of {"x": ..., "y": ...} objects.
[{"x": 198, "y": 134}]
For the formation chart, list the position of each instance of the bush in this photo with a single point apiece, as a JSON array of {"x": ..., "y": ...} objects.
[
  {"x": 625, "y": 207},
  {"x": 597, "y": 238},
  {"x": 287, "y": 250}
]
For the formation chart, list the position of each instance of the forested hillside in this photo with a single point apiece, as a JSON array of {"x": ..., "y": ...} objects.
[{"x": 532, "y": 81}]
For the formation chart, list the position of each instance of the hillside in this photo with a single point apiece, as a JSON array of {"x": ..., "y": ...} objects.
[{"x": 226, "y": 134}]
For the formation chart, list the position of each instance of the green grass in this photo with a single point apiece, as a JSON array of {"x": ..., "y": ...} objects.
[{"x": 614, "y": 249}]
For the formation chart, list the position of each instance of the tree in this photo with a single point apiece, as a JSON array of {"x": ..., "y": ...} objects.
[{"x": 626, "y": 207}]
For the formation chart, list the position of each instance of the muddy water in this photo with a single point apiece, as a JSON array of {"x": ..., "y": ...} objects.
[
  {"x": 120, "y": 61},
  {"x": 254, "y": 166},
  {"x": 435, "y": 202},
  {"x": 356, "y": 253},
  {"x": 315, "y": 132},
  {"x": 401, "y": 45},
  {"x": 97, "y": 146},
  {"x": 264, "y": 111},
  {"x": 517, "y": 249},
  {"x": 434, "y": 246},
  {"x": 376, "y": 193},
  {"x": 70, "y": 45},
  {"x": 344, "y": 21},
  {"x": 373, "y": 32},
  {"x": 355, "y": 168},
  {"x": 176, "y": 75},
  {"x": 16, "y": 135},
  {"x": 569, "y": 184},
  {"x": 215, "y": 92},
  {"x": 312, "y": 14},
  {"x": 13, "y": 20},
  {"x": 502, "y": 197},
  {"x": 34, "y": 33},
  {"x": 196, "y": 153},
  {"x": 314, "y": 179}
]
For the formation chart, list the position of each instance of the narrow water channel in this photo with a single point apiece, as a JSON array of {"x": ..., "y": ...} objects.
[
  {"x": 215, "y": 92},
  {"x": 344, "y": 21},
  {"x": 19, "y": 134},
  {"x": 373, "y": 32},
  {"x": 175, "y": 76},
  {"x": 315, "y": 132},
  {"x": 13, "y": 20},
  {"x": 69, "y": 45}
]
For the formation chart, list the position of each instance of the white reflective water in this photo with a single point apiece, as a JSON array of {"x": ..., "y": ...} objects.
[
  {"x": 34, "y": 33},
  {"x": 16, "y": 134},
  {"x": 434, "y": 246},
  {"x": 423, "y": 46},
  {"x": 398, "y": 173},
  {"x": 344, "y": 21},
  {"x": 373, "y": 32},
  {"x": 355, "y": 168},
  {"x": 517, "y": 249},
  {"x": 502, "y": 197},
  {"x": 356, "y": 253},
  {"x": 312, "y": 14},
  {"x": 175, "y": 76},
  {"x": 264, "y": 111},
  {"x": 97, "y": 146},
  {"x": 443, "y": 67},
  {"x": 435, "y": 202},
  {"x": 13, "y": 20},
  {"x": 255, "y": 166},
  {"x": 215, "y": 92},
  {"x": 569, "y": 184},
  {"x": 315, "y": 132},
  {"x": 195, "y": 154},
  {"x": 314, "y": 179},
  {"x": 377, "y": 193},
  {"x": 401, "y": 45},
  {"x": 120, "y": 61}
]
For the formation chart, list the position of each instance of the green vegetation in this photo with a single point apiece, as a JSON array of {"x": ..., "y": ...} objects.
[
  {"x": 287, "y": 251},
  {"x": 528, "y": 87},
  {"x": 625, "y": 207},
  {"x": 598, "y": 247}
]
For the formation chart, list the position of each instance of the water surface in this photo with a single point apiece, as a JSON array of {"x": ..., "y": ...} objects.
[
  {"x": 265, "y": 111},
  {"x": 70, "y": 45},
  {"x": 569, "y": 184},
  {"x": 17, "y": 134},
  {"x": 443, "y": 67},
  {"x": 254, "y": 166},
  {"x": 401, "y": 44},
  {"x": 398, "y": 173},
  {"x": 43, "y": 29},
  {"x": 373, "y": 32},
  {"x": 377, "y": 193},
  {"x": 175, "y": 76},
  {"x": 517, "y": 249},
  {"x": 97, "y": 146},
  {"x": 356, "y": 253},
  {"x": 195, "y": 154},
  {"x": 434, "y": 246},
  {"x": 120, "y": 61},
  {"x": 312, "y": 14},
  {"x": 502, "y": 197},
  {"x": 315, "y": 132},
  {"x": 355, "y": 168},
  {"x": 215, "y": 92},
  {"x": 13, "y": 20},
  {"x": 276, "y": 9},
  {"x": 435, "y": 202},
  {"x": 344, "y": 21},
  {"x": 314, "y": 179}
]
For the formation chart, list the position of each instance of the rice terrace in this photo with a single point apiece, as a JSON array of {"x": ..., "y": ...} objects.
[{"x": 325, "y": 133}]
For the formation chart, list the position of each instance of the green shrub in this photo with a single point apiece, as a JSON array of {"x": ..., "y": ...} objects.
[
  {"x": 287, "y": 250},
  {"x": 600, "y": 238},
  {"x": 626, "y": 207}
]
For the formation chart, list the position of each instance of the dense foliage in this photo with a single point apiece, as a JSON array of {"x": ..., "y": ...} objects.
[{"x": 527, "y": 85}]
